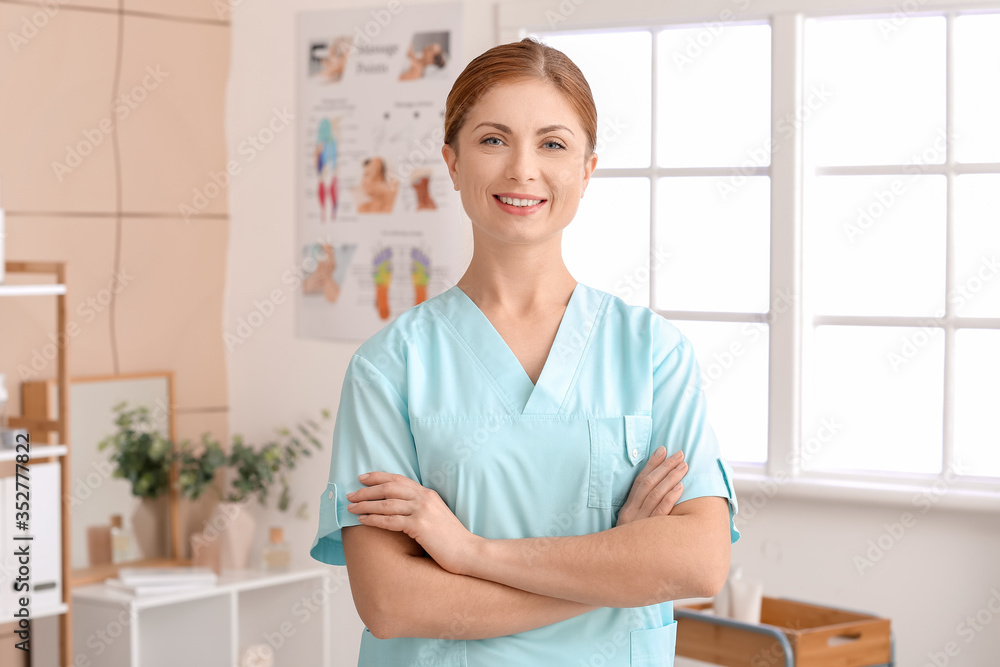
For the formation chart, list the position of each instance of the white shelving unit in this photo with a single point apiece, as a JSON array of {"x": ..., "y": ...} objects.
[
  {"x": 50, "y": 519},
  {"x": 288, "y": 612}
]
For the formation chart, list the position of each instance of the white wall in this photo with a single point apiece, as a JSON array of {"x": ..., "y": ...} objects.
[{"x": 942, "y": 569}]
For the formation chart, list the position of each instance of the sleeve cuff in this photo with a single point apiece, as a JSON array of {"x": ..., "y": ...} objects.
[
  {"x": 328, "y": 545},
  {"x": 715, "y": 484}
]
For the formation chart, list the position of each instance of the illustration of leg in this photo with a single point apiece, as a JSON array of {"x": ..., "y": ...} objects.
[
  {"x": 322, "y": 199},
  {"x": 333, "y": 198},
  {"x": 383, "y": 276},
  {"x": 420, "y": 274}
]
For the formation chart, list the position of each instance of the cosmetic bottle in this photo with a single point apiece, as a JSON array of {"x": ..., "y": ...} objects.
[
  {"x": 122, "y": 541},
  {"x": 276, "y": 555}
]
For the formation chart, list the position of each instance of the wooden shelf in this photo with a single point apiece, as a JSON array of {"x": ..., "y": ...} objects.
[
  {"x": 32, "y": 290},
  {"x": 58, "y": 426},
  {"x": 37, "y": 452}
]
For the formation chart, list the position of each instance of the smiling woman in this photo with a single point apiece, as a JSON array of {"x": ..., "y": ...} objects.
[{"x": 505, "y": 486}]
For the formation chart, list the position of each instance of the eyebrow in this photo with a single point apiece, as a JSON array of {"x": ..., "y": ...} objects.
[{"x": 543, "y": 130}]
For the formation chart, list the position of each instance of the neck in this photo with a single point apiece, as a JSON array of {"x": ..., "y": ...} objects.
[{"x": 518, "y": 278}]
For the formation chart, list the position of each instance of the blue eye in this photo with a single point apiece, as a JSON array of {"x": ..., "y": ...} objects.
[
  {"x": 553, "y": 144},
  {"x": 490, "y": 141}
]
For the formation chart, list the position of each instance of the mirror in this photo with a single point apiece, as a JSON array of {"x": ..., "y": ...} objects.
[{"x": 95, "y": 494}]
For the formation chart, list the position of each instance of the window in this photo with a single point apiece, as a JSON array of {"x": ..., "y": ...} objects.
[{"x": 815, "y": 202}]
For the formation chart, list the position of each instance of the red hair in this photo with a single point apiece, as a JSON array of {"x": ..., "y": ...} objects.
[{"x": 518, "y": 61}]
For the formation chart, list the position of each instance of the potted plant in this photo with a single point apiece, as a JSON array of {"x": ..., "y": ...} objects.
[
  {"x": 251, "y": 473},
  {"x": 143, "y": 456}
]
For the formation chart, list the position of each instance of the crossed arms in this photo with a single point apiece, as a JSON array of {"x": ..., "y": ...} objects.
[{"x": 475, "y": 588}]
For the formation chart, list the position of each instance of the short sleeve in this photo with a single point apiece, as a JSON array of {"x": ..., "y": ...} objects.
[
  {"x": 680, "y": 421},
  {"x": 372, "y": 432}
]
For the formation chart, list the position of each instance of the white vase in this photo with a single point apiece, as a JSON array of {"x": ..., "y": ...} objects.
[{"x": 233, "y": 525}]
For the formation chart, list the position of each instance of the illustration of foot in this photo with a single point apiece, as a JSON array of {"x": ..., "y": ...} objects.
[
  {"x": 421, "y": 186},
  {"x": 420, "y": 274},
  {"x": 383, "y": 276},
  {"x": 315, "y": 282}
]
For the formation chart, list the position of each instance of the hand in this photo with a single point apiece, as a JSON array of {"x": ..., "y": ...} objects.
[
  {"x": 397, "y": 503},
  {"x": 656, "y": 489}
]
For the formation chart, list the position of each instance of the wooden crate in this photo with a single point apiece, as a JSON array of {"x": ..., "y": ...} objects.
[{"x": 817, "y": 636}]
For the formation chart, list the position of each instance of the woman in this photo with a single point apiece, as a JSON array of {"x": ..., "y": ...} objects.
[{"x": 507, "y": 454}]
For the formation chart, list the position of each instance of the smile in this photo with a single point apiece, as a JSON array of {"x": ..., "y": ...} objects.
[{"x": 510, "y": 201}]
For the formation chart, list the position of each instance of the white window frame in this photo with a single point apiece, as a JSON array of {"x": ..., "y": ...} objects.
[{"x": 788, "y": 322}]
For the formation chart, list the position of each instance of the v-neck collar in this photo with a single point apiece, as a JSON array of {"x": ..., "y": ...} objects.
[{"x": 500, "y": 364}]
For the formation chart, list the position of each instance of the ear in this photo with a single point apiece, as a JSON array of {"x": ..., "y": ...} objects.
[
  {"x": 451, "y": 159},
  {"x": 588, "y": 168}
]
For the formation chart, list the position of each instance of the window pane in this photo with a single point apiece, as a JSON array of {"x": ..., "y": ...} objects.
[
  {"x": 977, "y": 88},
  {"x": 717, "y": 243},
  {"x": 976, "y": 292},
  {"x": 607, "y": 244},
  {"x": 883, "y": 408},
  {"x": 714, "y": 96},
  {"x": 733, "y": 358},
  {"x": 618, "y": 68},
  {"x": 977, "y": 395},
  {"x": 878, "y": 89},
  {"x": 875, "y": 245}
]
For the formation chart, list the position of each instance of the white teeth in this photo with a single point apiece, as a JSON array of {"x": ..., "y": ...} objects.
[{"x": 520, "y": 202}]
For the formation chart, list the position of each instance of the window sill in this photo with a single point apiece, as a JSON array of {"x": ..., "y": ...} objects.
[{"x": 755, "y": 489}]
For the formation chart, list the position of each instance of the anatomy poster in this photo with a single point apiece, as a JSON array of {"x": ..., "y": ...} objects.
[{"x": 378, "y": 223}]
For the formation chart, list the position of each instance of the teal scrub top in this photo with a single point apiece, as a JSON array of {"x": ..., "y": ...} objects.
[{"x": 438, "y": 396}]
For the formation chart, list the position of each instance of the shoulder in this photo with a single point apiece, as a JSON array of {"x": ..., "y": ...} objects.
[
  {"x": 389, "y": 349},
  {"x": 638, "y": 323}
]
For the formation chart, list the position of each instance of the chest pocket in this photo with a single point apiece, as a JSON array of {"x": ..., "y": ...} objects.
[{"x": 619, "y": 447}]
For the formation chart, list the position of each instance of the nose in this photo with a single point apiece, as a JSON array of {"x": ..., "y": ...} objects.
[{"x": 522, "y": 164}]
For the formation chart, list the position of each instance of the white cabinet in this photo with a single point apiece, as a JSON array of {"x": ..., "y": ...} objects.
[
  {"x": 44, "y": 566},
  {"x": 283, "y": 614}
]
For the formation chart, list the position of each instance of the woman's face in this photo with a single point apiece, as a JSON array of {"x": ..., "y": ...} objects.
[{"x": 520, "y": 162}]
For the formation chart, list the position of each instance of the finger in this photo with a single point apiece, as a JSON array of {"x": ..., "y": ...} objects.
[
  {"x": 398, "y": 487},
  {"x": 379, "y": 477},
  {"x": 666, "y": 485},
  {"x": 655, "y": 459},
  {"x": 390, "y": 506},
  {"x": 669, "y": 501},
  {"x": 388, "y": 522},
  {"x": 644, "y": 486}
]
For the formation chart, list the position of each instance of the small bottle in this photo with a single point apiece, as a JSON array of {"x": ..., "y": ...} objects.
[
  {"x": 122, "y": 541},
  {"x": 276, "y": 554}
]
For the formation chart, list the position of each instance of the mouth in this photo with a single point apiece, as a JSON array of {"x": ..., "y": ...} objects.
[{"x": 522, "y": 205}]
